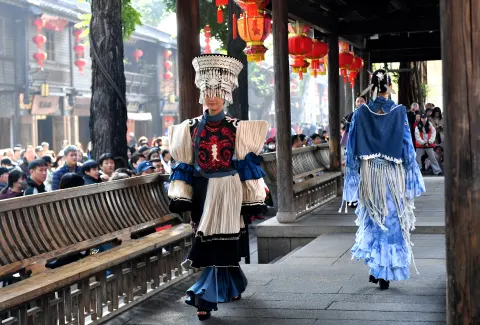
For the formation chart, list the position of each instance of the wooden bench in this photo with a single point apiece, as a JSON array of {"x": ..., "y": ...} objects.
[
  {"x": 313, "y": 185},
  {"x": 38, "y": 229}
]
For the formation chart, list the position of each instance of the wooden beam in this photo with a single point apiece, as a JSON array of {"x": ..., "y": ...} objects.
[
  {"x": 461, "y": 80},
  {"x": 407, "y": 42},
  {"x": 390, "y": 26},
  {"x": 286, "y": 206},
  {"x": 334, "y": 104},
  {"x": 406, "y": 55},
  {"x": 188, "y": 47}
]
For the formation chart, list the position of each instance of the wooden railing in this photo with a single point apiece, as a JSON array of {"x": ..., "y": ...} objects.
[{"x": 314, "y": 184}]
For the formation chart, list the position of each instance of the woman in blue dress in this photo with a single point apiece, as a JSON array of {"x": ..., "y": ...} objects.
[{"x": 382, "y": 175}]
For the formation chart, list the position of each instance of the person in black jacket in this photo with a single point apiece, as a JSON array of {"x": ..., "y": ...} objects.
[
  {"x": 38, "y": 175},
  {"x": 90, "y": 172}
]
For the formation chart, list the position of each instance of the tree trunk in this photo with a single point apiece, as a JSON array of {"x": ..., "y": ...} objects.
[
  {"x": 410, "y": 83},
  {"x": 239, "y": 108},
  {"x": 108, "y": 111}
]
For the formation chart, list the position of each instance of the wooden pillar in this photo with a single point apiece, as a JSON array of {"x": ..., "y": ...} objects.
[
  {"x": 364, "y": 75},
  {"x": 334, "y": 103},
  {"x": 188, "y": 45},
  {"x": 461, "y": 101},
  {"x": 286, "y": 207},
  {"x": 239, "y": 108}
]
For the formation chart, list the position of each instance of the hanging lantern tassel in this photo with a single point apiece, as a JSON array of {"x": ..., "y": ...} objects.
[
  {"x": 219, "y": 15},
  {"x": 300, "y": 74},
  {"x": 234, "y": 26}
]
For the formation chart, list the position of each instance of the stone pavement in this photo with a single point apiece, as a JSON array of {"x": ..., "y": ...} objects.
[{"x": 318, "y": 284}]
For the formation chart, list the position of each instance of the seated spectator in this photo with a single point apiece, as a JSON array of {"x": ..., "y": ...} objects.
[
  {"x": 296, "y": 142},
  {"x": 270, "y": 145},
  {"x": 48, "y": 181},
  {"x": 71, "y": 166},
  {"x": 145, "y": 168},
  {"x": 324, "y": 137},
  {"x": 316, "y": 139},
  {"x": 154, "y": 154},
  {"x": 304, "y": 139},
  {"x": 80, "y": 156},
  {"x": 157, "y": 166},
  {"x": 6, "y": 162},
  {"x": 3, "y": 177},
  {"x": 136, "y": 160},
  {"x": 144, "y": 150},
  {"x": 127, "y": 171},
  {"x": 46, "y": 147},
  {"x": 118, "y": 176},
  {"x": 28, "y": 157},
  {"x": 17, "y": 183},
  {"x": 143, "y": 141},
  {"x": 157, "y": 142},
  {"x": 167, "y": 161},
  {"x": 90, "y": 172},
  {"x": 38, "y": 175},
  {"x": 70, "y": 180},
  {"x": 107, "y": 166},
  {"x": 39, "y": 151}
]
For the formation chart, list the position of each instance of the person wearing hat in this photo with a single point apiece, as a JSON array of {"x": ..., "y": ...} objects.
[
  {"x": 382, "y": 176},
  {"x": 6, "y": 162},
  {"x": 145, "y": 168},
  {"x": 217, "y": 189},
  {"x": 425, "y": 135}
]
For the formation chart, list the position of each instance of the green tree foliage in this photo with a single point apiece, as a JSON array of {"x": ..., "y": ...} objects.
[
  {"x": 152, "y": 11},
  {"x": 208, "y": 16}
]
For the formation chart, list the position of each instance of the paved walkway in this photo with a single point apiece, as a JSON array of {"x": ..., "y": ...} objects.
[{"x": 320, "y": 284}]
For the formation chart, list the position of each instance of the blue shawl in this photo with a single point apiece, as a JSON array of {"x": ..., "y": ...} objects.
[{"x": 379, "y": 135}]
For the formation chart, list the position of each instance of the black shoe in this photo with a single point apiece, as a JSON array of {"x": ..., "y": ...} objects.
[
  {"x": 440, "y": 174},
  {"x": 203, "y": 314},
  {"x": 384, "y": 285},
  {"x": 237, "y": 298},
  {"x": 372, "y": 279}
]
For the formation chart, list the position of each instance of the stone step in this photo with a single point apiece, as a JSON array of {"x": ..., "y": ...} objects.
[{"x": 283, "y": 259}]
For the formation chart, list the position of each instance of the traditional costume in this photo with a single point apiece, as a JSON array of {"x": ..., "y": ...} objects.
[
  {"x": 382, "y": 175},
  {"x": 218, "y": 178}
]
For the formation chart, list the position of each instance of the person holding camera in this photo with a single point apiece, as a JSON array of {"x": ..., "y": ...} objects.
[{"x": 425, "y": 135}]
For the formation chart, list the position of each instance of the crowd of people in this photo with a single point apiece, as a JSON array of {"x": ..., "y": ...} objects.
[{"x": 28, "y": 171}]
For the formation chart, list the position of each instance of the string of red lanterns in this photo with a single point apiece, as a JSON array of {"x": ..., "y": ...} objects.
[
  {"x": 168, "y": 75},
  {"x": 299, "y": 45},
  {"x": 40, "y": 56},
  {"x": 79, "y": 49},
  {"x": 137, "y": 54},
  {"x": 207, "y": 31}
]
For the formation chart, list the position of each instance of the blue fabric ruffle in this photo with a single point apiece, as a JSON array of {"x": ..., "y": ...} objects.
[
  {"x": 385, "y": 252},
  {"x": 216, "y": 285},
  {"x": 182, "y": 172},
  {"x": 249, "y": 168}
]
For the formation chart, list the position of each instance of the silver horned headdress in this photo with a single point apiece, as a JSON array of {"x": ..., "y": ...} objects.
[
  {"x": 379, "y": 75},
  {"x": 216, "y": 76}
]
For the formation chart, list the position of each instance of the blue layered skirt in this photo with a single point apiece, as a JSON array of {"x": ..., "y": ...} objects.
[
  {"x": 216, "y": 285},
  {"x": 385, "y": 252}
]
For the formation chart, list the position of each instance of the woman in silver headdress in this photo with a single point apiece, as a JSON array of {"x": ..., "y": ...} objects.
[
  {"x": 218, "y": 178},
  {"x": 381, "y": 173}
]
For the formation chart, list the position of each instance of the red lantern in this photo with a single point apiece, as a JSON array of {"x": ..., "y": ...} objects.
[
  {"x": 79, "y": 49},
  {"x": 168, "y": 75},
  {"x": 39, "y": 23},
  {"x": 319, "y": 50},
  {"x": 207, "y": 30},
  {"x": 254, "y": 29},
  {"x": 137, "y": 54},
  {"x": 39, "y": 40},
  {"x": 80, "y": 64},
  {"x": 168, "y": 64},
  {"x": 77, "y": 33},
  {"x": 345, "y": 59},
  {"x": 299, "y": 45},
  {"x": 167, "y": 54},
  {"x": 354, "y": 69},
  {"x": 40, "y": 57}
]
